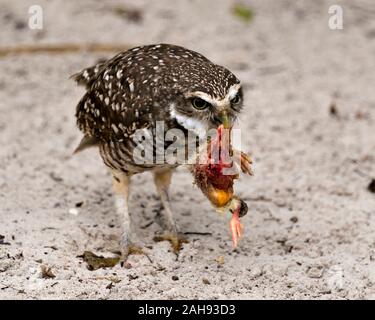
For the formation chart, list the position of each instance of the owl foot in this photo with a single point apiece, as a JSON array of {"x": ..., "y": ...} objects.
[
  {"x": 128, "y": 248},
  {"x": 176, "y": 240}
]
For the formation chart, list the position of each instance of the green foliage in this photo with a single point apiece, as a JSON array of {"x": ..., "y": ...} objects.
[{"x": 243, "y": 12}]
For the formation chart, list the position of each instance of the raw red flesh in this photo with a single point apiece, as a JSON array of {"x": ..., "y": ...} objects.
[
  {"x": 218, "y": 160},
  {"x": 217, "y": 186}
]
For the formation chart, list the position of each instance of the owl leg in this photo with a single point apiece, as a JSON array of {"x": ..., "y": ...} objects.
[
  {"x": 162, "y": 181},
  {"x": 121, "y": 184}
]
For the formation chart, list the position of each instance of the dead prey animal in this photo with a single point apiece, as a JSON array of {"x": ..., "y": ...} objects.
[{"x": 213, "y": 177}]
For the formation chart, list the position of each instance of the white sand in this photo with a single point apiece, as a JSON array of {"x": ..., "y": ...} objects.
[{"x": 310, "y": 230}]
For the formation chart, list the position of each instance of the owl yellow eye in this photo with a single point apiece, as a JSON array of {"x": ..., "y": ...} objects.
[
  {"x": 235, "y": 99},
  {"x": 199, "y": 103}
]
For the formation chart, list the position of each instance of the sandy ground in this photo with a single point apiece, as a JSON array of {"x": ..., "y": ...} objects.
[{"x": 310, "y": 230}]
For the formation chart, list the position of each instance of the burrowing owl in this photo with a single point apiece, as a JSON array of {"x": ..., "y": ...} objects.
[{"x": 140, "y": 87}]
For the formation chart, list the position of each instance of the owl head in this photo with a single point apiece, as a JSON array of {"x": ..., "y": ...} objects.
[
  {"x": 208, "y": 95},
  {"x": 196, "y": 93}
]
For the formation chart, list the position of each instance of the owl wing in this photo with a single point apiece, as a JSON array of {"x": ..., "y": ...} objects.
[{"x": 112, "y": 107}]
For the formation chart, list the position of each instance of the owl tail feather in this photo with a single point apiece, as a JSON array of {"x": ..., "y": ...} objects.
[{"x": 86, "y": 142}]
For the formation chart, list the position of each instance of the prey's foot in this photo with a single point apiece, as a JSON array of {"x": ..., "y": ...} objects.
[
  {"x": 236, "y": 229},
  {"x": 238, "y": 208},
  {"x": 176, "y": 239},
  {"x": 246, "y": 163}
]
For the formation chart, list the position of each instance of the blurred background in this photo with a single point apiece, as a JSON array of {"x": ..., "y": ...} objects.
[{"x": 308, "y": 121}]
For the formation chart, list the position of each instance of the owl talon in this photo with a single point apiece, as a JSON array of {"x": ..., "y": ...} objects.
[
  {"x": 176, "y": 240},
  {"x": 132, "y": 249}
]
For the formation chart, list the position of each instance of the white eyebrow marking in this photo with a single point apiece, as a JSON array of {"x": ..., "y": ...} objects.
[
  {"x": 201, "y": 95},
  {"x": 233, "y": 90}
]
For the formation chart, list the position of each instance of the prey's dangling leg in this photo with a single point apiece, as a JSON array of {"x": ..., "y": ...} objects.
[
  {"x": 162, "y": 180},
  {"x": 238, "y": 208},
  {"x": 244, "y": 161},
  {"x": 121, "y": 183}
]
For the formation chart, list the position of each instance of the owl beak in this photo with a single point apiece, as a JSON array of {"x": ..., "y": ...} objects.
[{"x": 225, "y": 120}]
